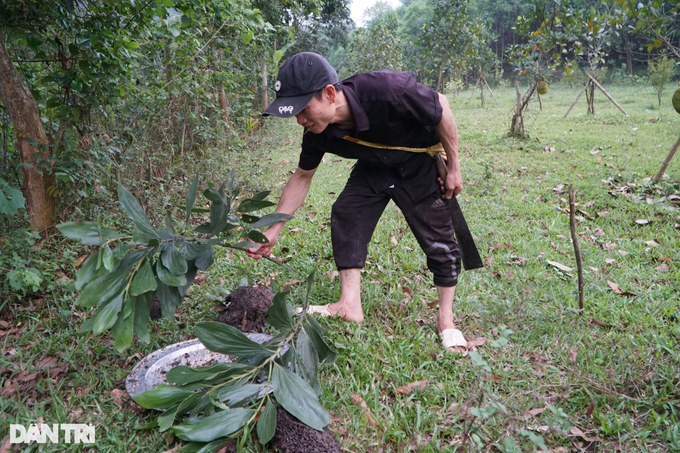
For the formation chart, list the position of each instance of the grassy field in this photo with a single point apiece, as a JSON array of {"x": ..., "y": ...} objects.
[{"x": 547, "y": 375}]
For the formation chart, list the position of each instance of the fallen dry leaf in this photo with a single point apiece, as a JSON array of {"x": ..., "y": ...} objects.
[
  {"x": 572, "y": 355},
  {"x": 652, "y": 243},
  {"x": 560, "y": 266},
  {"x": 599, "y": 323},
  {"x": 663, "y": 267},
  {"x": 413, "y": 386},
  {"x": 533, "y": 412},
  {"x": 118, "y": 396},
  {"x": 590, "y": 410},
  {"x": 643, "y": 221},
  {"x": 408, "y": 291},
  {"x": 609, "y": 260},
  {"x": 474, "y": 342},
  {"x": 496, "y": 246},
  {"x": 433, "y": 304},
  {"x": 393, "y": 240},
  {"x": 128, "y": 361},
  {"x": 618, "y": 290},
  {"x": 576, "y": 432},
  {"x": 488, "y": 260},
  {"x": 359, "y": 401}
]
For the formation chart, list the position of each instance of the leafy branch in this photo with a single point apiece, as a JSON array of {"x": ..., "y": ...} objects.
[
  {"x": 127, "y": 270},
  {"x": 209, "y": 405}
]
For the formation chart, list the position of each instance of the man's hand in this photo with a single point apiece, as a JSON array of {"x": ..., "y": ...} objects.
[
  {"x": 261, "y": 250},
  {"x": 452, "y": 186}
]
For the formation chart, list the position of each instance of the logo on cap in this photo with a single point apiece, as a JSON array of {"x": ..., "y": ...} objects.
[
  {"x": 286, "y": 109},
  {"x": 277, "y": 85}
]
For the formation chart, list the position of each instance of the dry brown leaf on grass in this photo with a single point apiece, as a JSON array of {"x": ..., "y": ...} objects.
[
  {"x": 128, "y": 361},
  {"x": 119, "y": 395},
  {"x": 474, "y": 342},
  {"x": 663, "y": 267},
  {"x": 609, "y": 260},
  {"x": 643, "y": 221},
  {"x": 359, "y": 401},
  {"x": 413, "y": 386},
  {"x": 533, "y": 412},
  {"x": 560, "y": 266},
  {"x": 618, "y": 289},
  {"x": 408, "y": 291},
  {"x": 572, "y": 355},
  {"x": 393, "y": 240}
]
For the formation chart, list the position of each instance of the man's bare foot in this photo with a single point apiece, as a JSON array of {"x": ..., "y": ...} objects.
[{"x": 347, "y": 312}]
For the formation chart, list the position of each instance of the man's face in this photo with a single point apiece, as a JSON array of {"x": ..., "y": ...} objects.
[{"x": 317, "y": 114}]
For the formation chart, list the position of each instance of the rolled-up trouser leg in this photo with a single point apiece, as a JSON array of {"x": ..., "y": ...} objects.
[
  {"x": 353, "y": 218},
  {"x": 430, "y": 221}
]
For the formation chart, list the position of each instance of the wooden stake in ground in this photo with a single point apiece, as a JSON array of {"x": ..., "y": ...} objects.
[
  {"x": 662, "y": 170},
  {"x": 492, "y": 95},
  {"x": 577, "y": 249},
  {"x": 597, "y": 84},
  {"x": 585, "y": 87}
]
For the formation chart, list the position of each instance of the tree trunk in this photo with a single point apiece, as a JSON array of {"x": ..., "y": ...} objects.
[
  {"x": 265, "y": 100},
  {"x": 222, "y": 94},
  {"x": 25, "y": 116}
]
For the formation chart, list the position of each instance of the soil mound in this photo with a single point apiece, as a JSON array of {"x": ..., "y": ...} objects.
[
  {"x": 247, "y": 308},
  {"x": 293, "y": 436}
]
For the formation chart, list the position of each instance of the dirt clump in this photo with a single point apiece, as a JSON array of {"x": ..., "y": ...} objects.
[
  {"x": 247, "y": 308},
  {"x": 293, "y": 436},
  {"x": 155, "y": 310}
]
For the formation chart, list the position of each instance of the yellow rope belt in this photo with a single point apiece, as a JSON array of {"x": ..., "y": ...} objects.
[{"x": 432, "y": 150}]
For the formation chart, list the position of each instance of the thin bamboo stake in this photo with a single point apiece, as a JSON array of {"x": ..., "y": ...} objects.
[
  {"x": 577, "y": 98},
  {"x": 492, "y": 95},
  {"x": 606, "y": 94},
  {"x": 540, "y": 101},
  {"x": 577, "y": 249},
  {"x": 667, "y": 161}
]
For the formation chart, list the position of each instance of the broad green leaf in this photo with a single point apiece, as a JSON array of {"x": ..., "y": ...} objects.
[
  {"x": 217, "y": 425},
  {"x": 258, "y": 237},
  {"x": 191, "y": 197},
  {"x": 11, "y": 200},
  {"x": 307, "y": 353},
  {"x": 266, "y": 425},
  {"x": 87, "y": 272},
  {"x": 206, "y": 259},
  {"x": 167, "y": 277},
  {"x": 298, "y": 398},
  {"x": 135, "y": 212},
  {"x": 103, "y": 288},
  {"x": 168, "y": 223},
  {"x": 277, "y": 315},
  {"x": 218, "y": 217},
  {"x": 192, "y": 250},
  {"x": 144, "y": 280},
  {"x": 182, "y": 374},
  {"x": 141, "y": 322},
  {"x": 233, "y": 395},
  {"x": 213, "y": 195},
  {"x": 170, "y": 299},
  {"x": 247, "y": 37},
  {"x": 225, "y": 339},
  {"x": 189, "y": 276},
  {"x": 261, "y": 195},
  {"x": 107, "y": 315},
  {"x": 254, "y": 205},
  {"x": 271, "y": 219},
  {"x": 161, "y": 397},
  {"x": 166, "y": 419},
  {"x": 124, "y": 326},
  {"x": 174, "y": 260},
  {"x": 88, "y": 233},
  {"x": 325, "y": 354},
  {"x": 107, "y": 258}
]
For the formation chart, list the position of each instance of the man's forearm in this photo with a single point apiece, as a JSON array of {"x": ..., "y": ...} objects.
[
  {"x": 448, "y": 134},
  {"x": 294, "y": 194}
]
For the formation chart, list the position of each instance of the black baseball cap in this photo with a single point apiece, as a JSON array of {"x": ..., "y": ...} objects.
[{"x": 299, "y": 78}]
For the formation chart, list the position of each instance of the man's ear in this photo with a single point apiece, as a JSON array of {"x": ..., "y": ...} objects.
[{"x": 329, "y": 91}]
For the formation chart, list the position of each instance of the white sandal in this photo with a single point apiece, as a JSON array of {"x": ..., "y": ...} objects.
[
  {"x": 321, "y": 310},
  {"x": 453, "y": 338}
]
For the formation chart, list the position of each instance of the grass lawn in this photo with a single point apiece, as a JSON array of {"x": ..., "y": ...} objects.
[{"x": 546, "y": 375}]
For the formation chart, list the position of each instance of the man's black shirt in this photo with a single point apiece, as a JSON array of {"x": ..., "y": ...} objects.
[{"x": 389, "y": 108}]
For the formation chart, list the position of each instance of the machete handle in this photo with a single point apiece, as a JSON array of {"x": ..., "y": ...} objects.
[{"x": 441, "y": 168}]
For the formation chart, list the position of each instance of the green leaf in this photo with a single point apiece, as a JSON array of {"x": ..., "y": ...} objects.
[
  {"x": 144, "y": 280},
  {"x": 107, "y": 258},
  {"x": 191, "y": 197},
  {"x": 217, "y": 425},
  {"x": 325, "y": 354},
  {"x": 218, "y": 217},
  {"x": 141, "y": 322},
  {"x": 271, "y": 219},
  {"x": 225, "y": 339},
  {"x": 258, "y": 237},
  {"x": 166, "y": 419},
  {"x": 307, "y": 364},
  {"x": 87, "y": 271},
  {"x": 247, "y": 37},
  {"x": 170, "y": 299},
  {"x": 135, "y": 212},
  {"x": 168, "y": 223},
  {"x": 11, "y": 200},
  {"x": 298, "y": 398},
  {"x": 206, "y": 259},
  {"x": 261, "y": 195},
  {"x": 167, "y": 277},
  {"x": 124, "y": 326},
  {"x": 233, "y": 395},
  {"x": 182, "y": 375},
  {"x": 189, "y": 276},
  {"x": 162, "y": 396},
  {"x": 104, "y": 288},
  {"x": 251, "y": 205},
  {"x": 107, "y": 315},
  {"x": 277, "y": 315},
  {"x": 192, "y": 250},
  {"x": 266, "y": 425},
  {"x": 174, "y": 261},
  {"x": 88, "y": 233}
]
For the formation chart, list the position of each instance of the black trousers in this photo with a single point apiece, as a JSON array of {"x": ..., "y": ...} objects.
[{"x": 357, "y": 210}]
